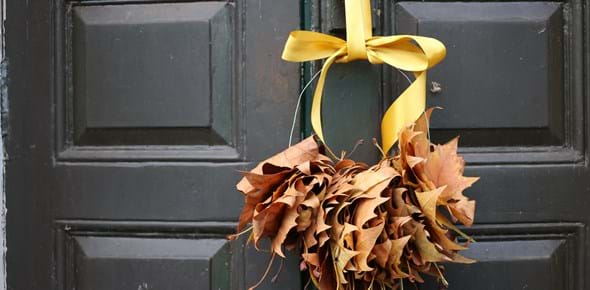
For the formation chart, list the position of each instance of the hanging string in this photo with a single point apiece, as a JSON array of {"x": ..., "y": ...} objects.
[
  {"x": 295, "y": 114},
  {"x": 299, "y": 104},
  {"x": 424, "y": 111},
  {"x": 410, "y": 53},
  {"x": 405, "y": 75}
]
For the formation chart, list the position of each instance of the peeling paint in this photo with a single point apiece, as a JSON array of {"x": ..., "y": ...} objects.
[
  {"x": 3, "y": 131},
  {"x": 3, "y": 121},
  {"x": 4, "y": 97}
]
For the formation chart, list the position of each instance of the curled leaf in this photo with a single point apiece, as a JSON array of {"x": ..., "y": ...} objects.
[{"x": 360, "y": 226}]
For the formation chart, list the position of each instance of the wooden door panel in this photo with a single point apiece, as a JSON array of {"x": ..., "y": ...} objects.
[
  {"x": 514, "y": 87},
  {"x": 510, "y": 85},
  {"x": 501, "y": 260},
  {"x": 129, "y": 121},
  {"x": 139, "y": 78},
  {"x": 145, "y": 112},
  {"x": 149, "y": 263},
  {"x": 544, "y": 260},
  {"x": 198, "y": 192},
  {"x": 522, "y": 256},
  {"x": 98, "y": 254},
  {"x": 162, "y": 53},
  {"x": 501, "y": 82}
]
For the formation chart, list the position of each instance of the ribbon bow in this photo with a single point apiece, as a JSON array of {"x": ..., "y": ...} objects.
[{"x": 405, "y": 52}]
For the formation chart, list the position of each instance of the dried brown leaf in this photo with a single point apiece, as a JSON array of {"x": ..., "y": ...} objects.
[
  {"x": 428, "y": 200},
  {"x": 445, "y": 167},
  {"x": 306, "y": 150},
  {"x": 365, "y": 241},
  {"x": 427, "y": 250}
]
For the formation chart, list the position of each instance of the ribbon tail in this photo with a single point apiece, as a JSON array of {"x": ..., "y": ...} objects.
[
  {"x": 405, "y": 110},
  {"x": 316, "y": 105}
]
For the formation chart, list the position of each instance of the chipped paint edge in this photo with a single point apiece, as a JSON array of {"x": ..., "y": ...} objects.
[{"x": 3, "y": 115}]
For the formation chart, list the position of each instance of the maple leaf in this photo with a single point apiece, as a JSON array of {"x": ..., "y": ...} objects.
[
  {"x": 365, "y": 209},
  {"x": 445, "y": 167},
  {"x": 381, "y": 252},
  {"x": 265, "y": 185},
  {"x": 287, "y": 223},
  {"x": 342, "y": 257},
  {"x": 301, "y": 152},
  {"x": 440, "y": 236},
  {"x": 309, "y": 236},
  {"x": 463, "y": 210},
  {"x": 456, "y": 258},
  {"x": 428, "y": 201},
  {"x": 267, "y": 222},
  {"x": 426, "y": 249},
  {"x": 395, "y": 254},
  {"x": 328, "y": 277},
  {"x": 361, "y": 227},
  {"x": 365, "y": 241}
]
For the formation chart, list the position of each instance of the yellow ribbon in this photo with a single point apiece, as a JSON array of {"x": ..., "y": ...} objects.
[{"x": 405, "y": 52}]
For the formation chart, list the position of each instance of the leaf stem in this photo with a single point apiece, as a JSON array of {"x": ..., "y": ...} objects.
[
  {"x": 442, "y": 277},
  {"x": 383, "y": 155},
  {"x": 272, "y": 258},
  {"x": 235, "y": 236}
]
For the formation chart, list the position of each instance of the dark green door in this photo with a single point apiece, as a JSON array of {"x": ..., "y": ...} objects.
[
  {"x": 128, "y": 123},
  {"x": 514, "y": 85}
]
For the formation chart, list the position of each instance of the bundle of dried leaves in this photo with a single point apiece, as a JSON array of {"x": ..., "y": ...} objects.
[{"x": 361, "y": 227}]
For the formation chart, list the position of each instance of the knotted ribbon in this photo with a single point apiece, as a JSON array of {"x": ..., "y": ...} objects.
[{"x": 405, "y": 52}]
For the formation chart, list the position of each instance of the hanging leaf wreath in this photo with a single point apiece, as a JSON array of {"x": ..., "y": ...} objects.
[{"x": 359, "y": 226}]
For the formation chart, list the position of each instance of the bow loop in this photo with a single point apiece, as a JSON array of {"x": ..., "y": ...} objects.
[
  {"x": 405, "y": 52},
  {"x": 308, "y": 45},
  {"x": 402, "y": 52},
  {"x": 434, "y": 49}
]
